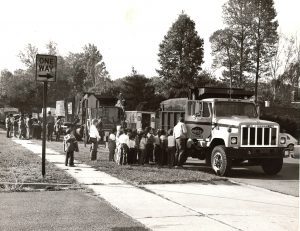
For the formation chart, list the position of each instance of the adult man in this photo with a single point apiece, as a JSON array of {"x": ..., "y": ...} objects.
[
  {"x": 179, "y": 134},
  {"x": 8, "y": 126},
  {"x": 50, "y": 126},
  {"x": 99, "y": 127},
  {"x": 29, "y": 126}
]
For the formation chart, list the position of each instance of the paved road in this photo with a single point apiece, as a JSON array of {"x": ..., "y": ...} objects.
[
  {"x": 287, "y": 181},
  {"x": 64, "y": 210},
  {"x": 176, "y": 207}
]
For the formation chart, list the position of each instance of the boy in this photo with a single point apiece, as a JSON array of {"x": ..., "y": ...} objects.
[
  {"x": 70, "y": 145},
  {"x": 171, "y": 148},
  {"x": 123, "y": 141}
]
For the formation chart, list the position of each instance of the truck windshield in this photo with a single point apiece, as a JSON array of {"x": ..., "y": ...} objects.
[{"x": 227, "y": 109}]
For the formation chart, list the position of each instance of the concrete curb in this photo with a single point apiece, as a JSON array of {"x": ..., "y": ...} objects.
[{"x": 186, "y": 206}]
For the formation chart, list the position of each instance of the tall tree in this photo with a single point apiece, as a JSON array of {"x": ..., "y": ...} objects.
[
  {"x": 180, "y": 55},
  {"x": 51, "y": 47},
  {"x": 75, "y": 63},
  {"x": 264, "y": 35},
  {"x": 137, "y": 91},
  {"x": 237, "y": 16},
  {"x": 284, "y": 56},
  {"x": 94, "y": 66},
  {"x": 28, "y": 56},
  {"x": 224, "y": 52}
]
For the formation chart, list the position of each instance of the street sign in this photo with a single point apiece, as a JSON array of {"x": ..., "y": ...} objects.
[{"x": 46, "y": 66}]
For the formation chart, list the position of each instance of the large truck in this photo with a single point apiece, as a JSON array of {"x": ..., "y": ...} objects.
[
  {"x": 140, "y": 119},
  {"x": 82, "y": 109},
  {"x": 224, "y": 129}
]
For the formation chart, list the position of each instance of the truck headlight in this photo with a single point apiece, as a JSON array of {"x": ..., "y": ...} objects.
[
  {"x": 282, "y": 140},
  {"x": 233, "y": 140}
]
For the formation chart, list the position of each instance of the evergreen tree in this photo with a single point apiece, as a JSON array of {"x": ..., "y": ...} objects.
[{"x": 180, "y": 56}]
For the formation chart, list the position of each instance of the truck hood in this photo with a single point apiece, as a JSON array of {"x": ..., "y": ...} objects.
[{"x": 239, "y": 120}]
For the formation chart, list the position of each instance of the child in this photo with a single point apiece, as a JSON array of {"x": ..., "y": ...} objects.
[
  {"x": 164, "y": 148},
  {"x": 111, "y": 145},
  {"x": 123, "y": 147},
  {"x": 131, "y": 152},
  {"x": 149, "y": 146},
  {"x": 15, "y": 127},
  {"x": 157, "y": 147},
  {"x": 138, "y": 138},
  {"x": 22, "y": 128},
  {"x": 142, "y": 148},
  {"x": 171, "y": 148},
  {"x": 70, "y": 145}
]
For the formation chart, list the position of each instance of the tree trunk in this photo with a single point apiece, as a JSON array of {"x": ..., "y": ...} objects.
[
  {"x": 257, "y": 70},
  {"x": 241, "y": 59}
]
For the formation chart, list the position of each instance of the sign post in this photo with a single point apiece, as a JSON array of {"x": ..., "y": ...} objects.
[{"x": 46, "y": 66}]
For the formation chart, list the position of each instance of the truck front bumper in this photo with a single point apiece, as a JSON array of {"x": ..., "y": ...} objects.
[{"x": 257, "y": 153}]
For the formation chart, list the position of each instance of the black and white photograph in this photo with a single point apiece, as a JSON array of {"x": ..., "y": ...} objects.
[{"x": 149, "y": 115}]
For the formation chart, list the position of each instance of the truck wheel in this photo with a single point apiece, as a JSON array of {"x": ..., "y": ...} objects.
[
  {"x": 272, "y": 166},
  {"x": 219, "y": 161}
]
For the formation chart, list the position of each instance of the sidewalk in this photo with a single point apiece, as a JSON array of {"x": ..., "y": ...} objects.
[{"x": 187, "y": 206}]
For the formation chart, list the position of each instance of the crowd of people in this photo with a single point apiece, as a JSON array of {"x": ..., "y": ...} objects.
[
  {"x": 126, "y": 146},
  {"x": 24, "y": 126},
  {"x": 142, "y": 147}
]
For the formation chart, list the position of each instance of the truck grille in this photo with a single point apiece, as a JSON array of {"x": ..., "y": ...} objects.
[{"x": 259, "y": 135}]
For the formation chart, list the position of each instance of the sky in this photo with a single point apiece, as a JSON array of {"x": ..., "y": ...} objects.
[{"x": 127, "y": 32}]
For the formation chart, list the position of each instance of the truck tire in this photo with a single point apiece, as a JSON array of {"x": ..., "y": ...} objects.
[
  {"x": 272, "y": 166},
  {"x": 220, "y": 163}
]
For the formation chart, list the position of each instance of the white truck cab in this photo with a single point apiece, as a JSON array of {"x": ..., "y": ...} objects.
[{"x": 225, "y": 129}]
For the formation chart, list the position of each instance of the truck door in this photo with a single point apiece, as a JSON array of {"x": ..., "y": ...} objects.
[{"x": 198, "y": 119}]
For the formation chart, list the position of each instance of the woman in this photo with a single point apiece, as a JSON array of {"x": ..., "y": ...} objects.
[{"x": 94, "y": 138}]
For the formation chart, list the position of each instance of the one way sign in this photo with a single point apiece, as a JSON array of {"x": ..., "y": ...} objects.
[{"x": 46, "y": 66}]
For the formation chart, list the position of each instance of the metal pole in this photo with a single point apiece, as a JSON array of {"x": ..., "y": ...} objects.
[{"x": 44, "y": 128}]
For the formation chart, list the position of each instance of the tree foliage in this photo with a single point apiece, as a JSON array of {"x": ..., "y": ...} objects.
[
  {"x": 245, "y": 47},
  {"x": 94, "y": 67},
  {"x": 265, "y": 36},
  {"x": 237, "y": 16},
  {"x": 180, "y": 55},
  {"x": 137, "y": 91}
]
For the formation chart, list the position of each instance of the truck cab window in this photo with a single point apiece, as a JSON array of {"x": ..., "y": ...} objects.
[{"x": 205, "y": 112}]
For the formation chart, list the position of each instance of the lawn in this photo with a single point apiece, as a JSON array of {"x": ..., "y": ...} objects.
[
  {"x": 136, "y": 174},
  {"x": 19, "y": 167}
]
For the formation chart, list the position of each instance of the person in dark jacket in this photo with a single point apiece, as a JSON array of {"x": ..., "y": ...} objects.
[{"x": 70, "y": 146}]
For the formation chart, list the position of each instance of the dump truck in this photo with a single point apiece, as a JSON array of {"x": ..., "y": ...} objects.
[{"x": 224, "y": 129}]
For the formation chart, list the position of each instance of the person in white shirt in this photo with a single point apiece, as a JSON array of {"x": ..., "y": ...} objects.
[
  {"x": 180, "y": 134},
  {"x": 94, "y": 138},
  {"x": 123, "y": 141},
  {"x": 112, "y": 145},
  {"x": 171, "y": 148}
]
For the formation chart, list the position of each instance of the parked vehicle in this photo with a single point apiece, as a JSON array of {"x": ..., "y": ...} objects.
[
  {"x": 82, "y": 109},
  {"x": 226, "y": 130},
  {"x": 140, "y": 119},
  {"x": 290, "y": 141}
]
